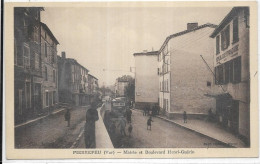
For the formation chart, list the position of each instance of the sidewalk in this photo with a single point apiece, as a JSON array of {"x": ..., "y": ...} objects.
[
  {"x": 209, "y": 129},
  {"x": 51, "y": 131},
  {"x": 55, "y": 111},
  {"x": 35, "y": 119}
]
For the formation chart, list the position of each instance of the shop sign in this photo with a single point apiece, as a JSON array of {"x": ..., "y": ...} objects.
[{"x": 228, "y": 55}]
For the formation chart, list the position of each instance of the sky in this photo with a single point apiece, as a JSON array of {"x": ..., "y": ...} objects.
[{"x": 104, "y": 39}]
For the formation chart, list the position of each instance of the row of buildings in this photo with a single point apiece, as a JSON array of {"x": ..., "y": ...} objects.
[
  {"x": 202, "y": 68},
  {"x": 42, "y": 79}
]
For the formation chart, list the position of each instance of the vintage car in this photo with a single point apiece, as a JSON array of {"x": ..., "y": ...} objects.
[{"x": 118, "y": 106}]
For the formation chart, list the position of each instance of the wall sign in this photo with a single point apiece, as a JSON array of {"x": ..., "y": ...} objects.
[{"x": 228, "y": 55}]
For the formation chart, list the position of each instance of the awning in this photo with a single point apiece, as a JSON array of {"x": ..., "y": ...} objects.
[{"x": 218, "y": 95}]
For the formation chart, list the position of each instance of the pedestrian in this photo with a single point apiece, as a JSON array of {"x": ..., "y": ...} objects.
[
  {"x": 130, "y": 128},
  {"x": 149, "y": 123},
  {"x": 122, "y": 125},
  {"x": 210, "y": 115},
  {"x": 91, "y": 118},
  {"x": 128, "y": 115},
  {"x": 67, "y": 117},
  {"x": 144, "y": 111},
  {"x": 153, "y": 110},
  {"x": 157, "y": 109},
  {"x": 112, "y": 128},
  {"x": 184, "y": 117}
]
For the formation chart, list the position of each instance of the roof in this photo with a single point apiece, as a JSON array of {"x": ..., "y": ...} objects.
[
  {"x": 93, "y": 76},
  {"x": 227, "y": 19},
  {"x": 147, "y": 53},
  {"x": 74, "y": 61},
  {"x": 49, "y": 31},
  {"x": 185, "y": 32}
]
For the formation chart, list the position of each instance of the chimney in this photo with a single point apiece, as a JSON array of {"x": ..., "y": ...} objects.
[
  {"x": 63, "y": 54},
  {"x": 191, "y": 26}
]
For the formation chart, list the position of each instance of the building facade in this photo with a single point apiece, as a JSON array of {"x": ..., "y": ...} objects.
[
  {"x": 49, "y": 68},
  {"x": 120, "y": 86},
  {"x": 27, "y": 62},
  {"x": 231, "y": 63},
  {"x": 73, "y": 82},
  {"x": 146, "y": 79},
  {"x": 93, "y": 84},
  {"x": 183, "y": 76}
]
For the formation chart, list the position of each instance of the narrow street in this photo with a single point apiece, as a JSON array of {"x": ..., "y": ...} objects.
[{"x": 51, "y": 132}]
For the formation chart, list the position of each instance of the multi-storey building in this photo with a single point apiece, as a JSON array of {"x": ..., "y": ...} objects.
[
  {"x": 231, "y": 63},
  {"x": 183, "y": 77},
  {"x": 146, "y": 79},
  {"x": 49, "y": 68},
  {"x": 27, "y": 62},
  {"x": 120, "y": 86},
  {"x": 93, "y": 84},
  {"x": 73, "y": 82}
]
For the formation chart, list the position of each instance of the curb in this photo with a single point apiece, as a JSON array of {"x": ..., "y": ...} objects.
[
  {"x": 77, "y": 140},
  {"x": 37, "y": 119},
  {"x": 42, "y": 117}
]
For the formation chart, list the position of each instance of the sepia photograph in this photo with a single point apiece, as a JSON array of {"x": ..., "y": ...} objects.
[{"x": 111, "y": 81}]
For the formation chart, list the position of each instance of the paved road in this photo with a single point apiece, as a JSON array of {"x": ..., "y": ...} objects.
[
  {"x": 162, "y": 135},
  {"x": 165, "y": 135},
  {"x": 51, "y": 132}
]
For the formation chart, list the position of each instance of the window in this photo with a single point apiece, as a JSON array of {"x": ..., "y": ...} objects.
[
  {"x": 26, "y": 56},
  {"x": 167, "y": 85},
  {"x": 47, "y": 99},
  {"x": 227, "y": 72},
  {"x": 225, "y": 38},
  {"x": 15, "y": 52},
  {"x": 219, "y": 74},
  {"x": 237, "y": 69},
  {"x": 46, "y": 74},
  {"x": 167, "y": 64},
  {"x": 167, "y": 104},
  {"x": 247, "y": 19},
  {"x": 217, "y": 45},
  {"x": 36, "y": 15},
  {"x": 235, "y": 30},
  {"x": 54, "y": 76},
  {"x": 54, "y": 97},
  {"x": 208, "y": 83},
  {"x": 27, "y": 95},
  {"x": 45, "y": 50},
  {"x": 36, "y": 33},
  {"x": 230, "y": 72},
  {"x": 37, "y": 61},
  {"x": 50, "y": 98},
  {"x": 20, "y": 101}
]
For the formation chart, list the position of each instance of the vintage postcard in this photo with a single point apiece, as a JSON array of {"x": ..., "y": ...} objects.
[{"x": 131, "y": 80}]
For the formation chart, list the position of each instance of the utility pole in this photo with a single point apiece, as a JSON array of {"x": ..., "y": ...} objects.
[{"x": 211, "y": 71}]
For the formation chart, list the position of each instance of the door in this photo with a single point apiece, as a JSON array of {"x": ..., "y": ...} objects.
[
  {"x": 37, "y": 97},
  {"x": 234, "y": 114}
]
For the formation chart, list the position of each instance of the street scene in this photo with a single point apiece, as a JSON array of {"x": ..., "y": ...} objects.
[{"x": 114, "y": 78}]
